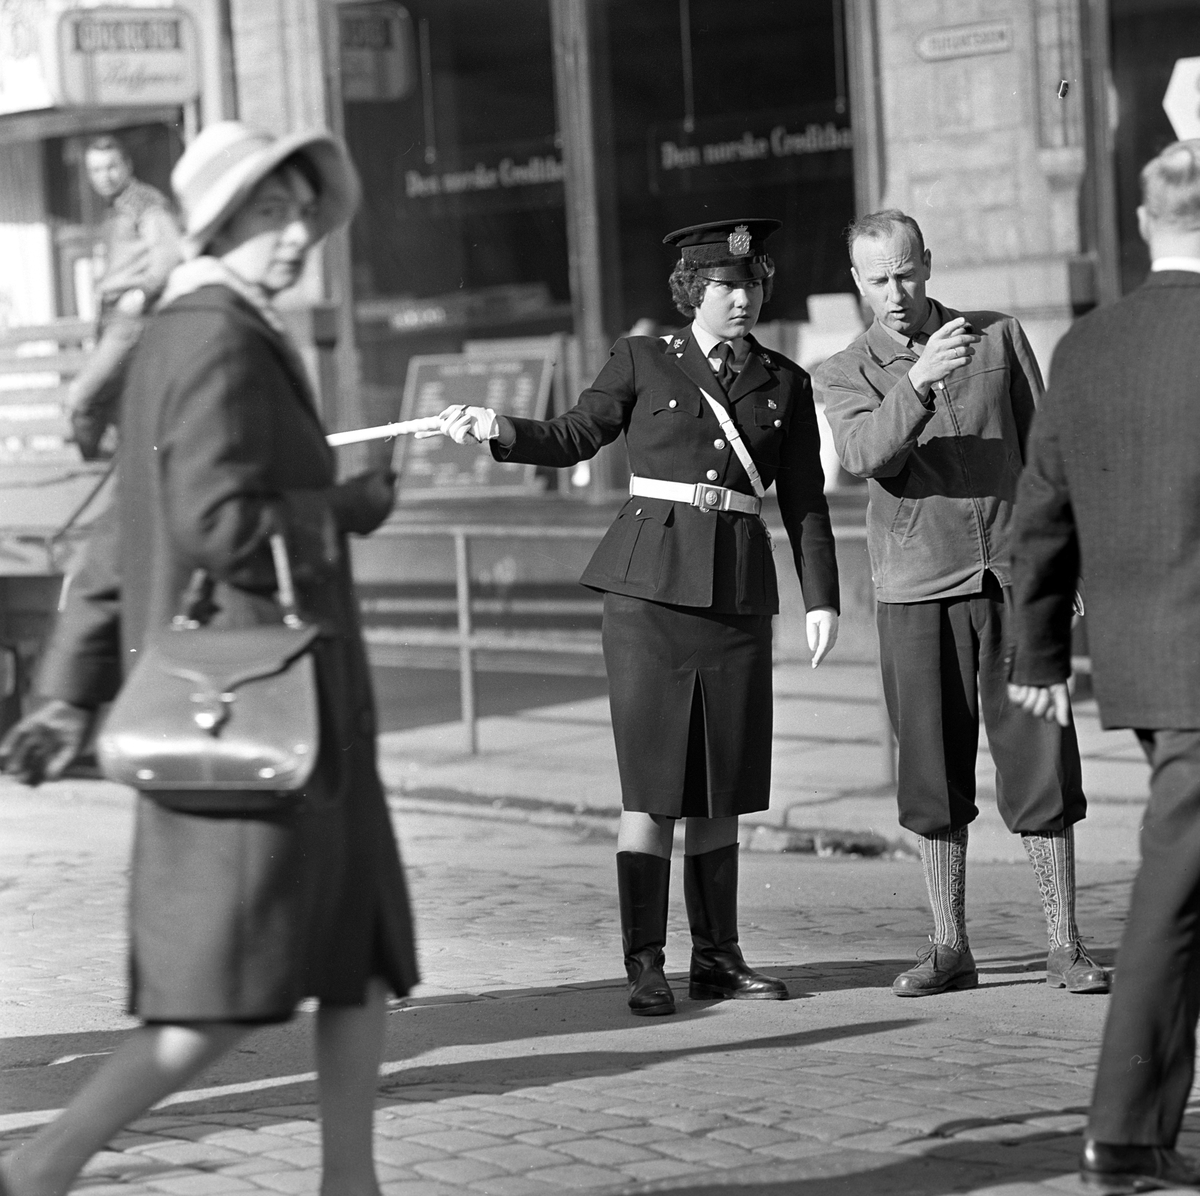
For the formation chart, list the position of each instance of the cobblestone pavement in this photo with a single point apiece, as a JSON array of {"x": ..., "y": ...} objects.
[{"x": 515, "y": 1069}]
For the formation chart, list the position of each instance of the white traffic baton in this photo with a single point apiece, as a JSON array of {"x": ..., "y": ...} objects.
[{"x": 430, "y": 425}]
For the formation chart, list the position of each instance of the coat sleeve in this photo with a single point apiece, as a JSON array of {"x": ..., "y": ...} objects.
[
  {"x": 800, "y": 488},
  {"x": 81, "y": 663},
  {"x": 1045, "y": 561},
  {"x": 874, "y": 436},
  {"x": 1025, "y": 384},
  {"x": 599, "y": 417}
]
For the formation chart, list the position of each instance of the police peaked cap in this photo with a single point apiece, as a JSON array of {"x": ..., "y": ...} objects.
[{"x": 726, "y": 250}]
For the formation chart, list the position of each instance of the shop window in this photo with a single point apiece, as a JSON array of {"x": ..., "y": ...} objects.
[
  {"x": 1147, "y": 36},
  {"x": 462, "y": 174},
  {"x": 724, "y": 110}
]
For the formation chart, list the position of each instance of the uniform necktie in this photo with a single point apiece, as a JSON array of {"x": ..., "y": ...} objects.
[{"x": 725, "y": 372}]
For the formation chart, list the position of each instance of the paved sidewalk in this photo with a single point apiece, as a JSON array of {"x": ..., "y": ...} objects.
[
  {"x": 829, "y": 767},
  {"x": 516, "y": 1071}
]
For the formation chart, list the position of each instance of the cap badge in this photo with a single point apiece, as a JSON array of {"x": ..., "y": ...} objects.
[{"x": 739, "y": 241}]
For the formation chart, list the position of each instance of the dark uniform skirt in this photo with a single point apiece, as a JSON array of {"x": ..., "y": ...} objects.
[
  {"x": 238, "y": 919},
  {"x": 690, "y": 691}
]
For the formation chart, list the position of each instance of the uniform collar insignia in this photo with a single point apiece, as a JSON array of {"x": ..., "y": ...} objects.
[{"x": 679, "y": 344}]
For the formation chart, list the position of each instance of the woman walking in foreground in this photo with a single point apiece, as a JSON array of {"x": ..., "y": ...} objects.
[{"x": 235, "y": 918}]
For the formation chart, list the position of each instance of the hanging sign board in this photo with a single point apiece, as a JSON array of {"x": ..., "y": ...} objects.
[
  {"x": 379, "y": 61},
  {"x": 121, "y": 56},
  {"x": 24, "y": 83},
  {"x": 518, "y": 384}
]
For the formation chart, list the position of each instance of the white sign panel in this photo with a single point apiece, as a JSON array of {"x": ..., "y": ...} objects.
[
  {"x": 966, "y": 41},
  {"x": 24, "y": 86},
  {"x": 1182, "y": 99},
  {"x": 123, "y": 56},
  {"x": 379, "y": 61}
]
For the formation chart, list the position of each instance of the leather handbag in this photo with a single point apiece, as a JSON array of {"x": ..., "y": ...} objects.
[{"x": 219, "y": 720}]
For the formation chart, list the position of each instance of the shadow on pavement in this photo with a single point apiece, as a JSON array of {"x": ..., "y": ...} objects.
[{"x": 958, "y": 1167}]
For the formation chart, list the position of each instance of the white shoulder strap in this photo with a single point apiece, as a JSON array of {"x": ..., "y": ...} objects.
[{"x": 735, "y": 439}]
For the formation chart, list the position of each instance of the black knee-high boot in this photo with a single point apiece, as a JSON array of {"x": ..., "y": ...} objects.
[
  {"x": 718, "y": 970},
  {"x": 643, "y": 883}
]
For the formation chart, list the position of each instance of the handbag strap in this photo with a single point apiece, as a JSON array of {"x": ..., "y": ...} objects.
[
  {"x": 738, "y": 444},
  {"x": 196, "y": 605}
]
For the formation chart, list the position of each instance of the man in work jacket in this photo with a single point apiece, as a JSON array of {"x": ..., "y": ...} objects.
[{"x": 933, "y": 406}]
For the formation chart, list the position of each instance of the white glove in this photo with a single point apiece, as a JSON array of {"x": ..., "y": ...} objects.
[{"x": 469, "y": 423}]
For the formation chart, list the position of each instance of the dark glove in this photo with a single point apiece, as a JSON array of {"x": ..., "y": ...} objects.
[
  {"x": 42, "y": 744},
  {"x": 361, "y": 503}
]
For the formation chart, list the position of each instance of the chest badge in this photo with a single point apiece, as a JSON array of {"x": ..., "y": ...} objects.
[
  {"x": 739, "y": 241},
  {"x": 772, "y": 404}
]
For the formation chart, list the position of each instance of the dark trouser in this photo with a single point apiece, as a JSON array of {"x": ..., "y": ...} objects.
[
  {"x": 941, "y": 662},
  {"x": 1148, "y": 1056}
]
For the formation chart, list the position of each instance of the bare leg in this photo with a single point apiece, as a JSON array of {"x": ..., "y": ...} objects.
[
  {"x": 151, "y": 1063},
  {"x": 650, "y": 834},
  {"x": 349, "y": 1049}
]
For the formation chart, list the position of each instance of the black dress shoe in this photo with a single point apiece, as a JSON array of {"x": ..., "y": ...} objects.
[
  {"x": 1117, "y": 1169},
  {"x": 1072, "y": 968}
]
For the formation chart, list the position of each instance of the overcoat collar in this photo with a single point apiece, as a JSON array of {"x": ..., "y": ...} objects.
[
  {"x": 1172, "y": 278},
  {"x": 755, "y": 374}
]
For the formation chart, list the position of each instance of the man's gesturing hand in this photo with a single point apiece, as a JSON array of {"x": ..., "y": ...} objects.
[
  {"x": 947, "y": 349},
  {"x": 1052, "y": 703},
  {"x": 42, "y": 744}
]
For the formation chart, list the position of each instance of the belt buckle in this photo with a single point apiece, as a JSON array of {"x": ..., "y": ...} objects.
[{"x": 711, "y": 498}]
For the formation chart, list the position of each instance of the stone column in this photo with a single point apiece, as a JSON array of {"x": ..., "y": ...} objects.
[
  {"x": 287, "y": 76},
  {"x": 981, "y": 149}
]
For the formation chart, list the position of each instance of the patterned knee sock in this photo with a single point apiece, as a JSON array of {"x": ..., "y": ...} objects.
[
  {"x": 1053, "y": 858},
  {"x": 944, "y": 862}
]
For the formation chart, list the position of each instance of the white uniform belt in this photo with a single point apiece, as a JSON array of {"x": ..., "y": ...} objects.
[{"x": 703, "y": 495}]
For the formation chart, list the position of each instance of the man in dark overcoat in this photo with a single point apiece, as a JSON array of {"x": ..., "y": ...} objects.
[
  {"x": 1112, "y": 490},
  {"x": 933, "y": 406}
]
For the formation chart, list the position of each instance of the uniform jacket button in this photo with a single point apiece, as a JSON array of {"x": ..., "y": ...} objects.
[
  {"x": 718, "y": 444},
  {"x": 672, "y": 403},
  {"x": 779, "y": 423},
  {"x": 712, "y": 475}
]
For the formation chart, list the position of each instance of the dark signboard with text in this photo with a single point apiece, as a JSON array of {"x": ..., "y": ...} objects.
[{"x": 518, "y": 384}]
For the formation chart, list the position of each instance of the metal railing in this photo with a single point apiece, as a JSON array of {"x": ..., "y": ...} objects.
[{"x": 469, "y": 641}]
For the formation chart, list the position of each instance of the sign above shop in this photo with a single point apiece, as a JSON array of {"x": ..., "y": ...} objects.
[
  {"x": 966, "y": 41},
  {"x": 757, "y": 148},
  {"x": 378, "y": 55},
  {"x": 1182, "y": 99},
  {"x": 122, "y": 56}
]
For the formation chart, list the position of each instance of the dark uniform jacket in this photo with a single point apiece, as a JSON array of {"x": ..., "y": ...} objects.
[
  {"x": 943, "y": 470},
  {"x": 1113, "y": 486},
  {"x": 672, "y": 552}
]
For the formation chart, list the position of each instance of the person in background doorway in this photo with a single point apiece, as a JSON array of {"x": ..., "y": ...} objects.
[
  {"x": 933, "y": 406},
  {"x": 1111, "y": 490},
  {"x": 710, "y": 420},
  {"x": 141, "y": 245}
]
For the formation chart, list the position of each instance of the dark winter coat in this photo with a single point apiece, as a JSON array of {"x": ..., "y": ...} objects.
[{"x": 222, "y": 446}]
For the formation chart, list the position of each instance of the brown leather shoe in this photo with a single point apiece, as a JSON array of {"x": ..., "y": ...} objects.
[
  {"x": 1117, "y": 1169},
  {"x": 939, "y": 969},
  {"x": 1072, "y": 968}
]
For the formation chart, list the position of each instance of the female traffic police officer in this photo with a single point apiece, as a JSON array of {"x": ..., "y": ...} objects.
[{"x": 710, "y": 420}]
